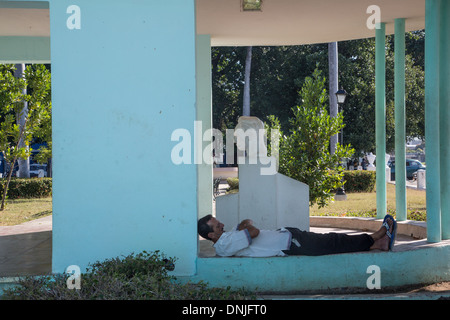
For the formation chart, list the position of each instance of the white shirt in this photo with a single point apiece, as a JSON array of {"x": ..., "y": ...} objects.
[{"x": 268, "y": 243}]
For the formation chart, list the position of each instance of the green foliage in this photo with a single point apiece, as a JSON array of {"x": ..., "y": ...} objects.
[
  {"x": 37, "y": 81},
  {"x": 411, "y": 215},
  {"x": 304, "y": 154},
  {"x": 14, "y": 139},
  {"x": 233, "y": 183},
  {"x": 142, "y": 276},
  {"x": 354, "y": 181},
  {"x": 227, "y": 85},
  {"x": 45, "y": 152},
  {"x": 359, "y": 181},
  {"x": 356, "y": 75},
  {"x": 27, "y": 188},
  {"x": 279, "y": 71},
  {"x": 416, "y": 215},
  {"x": 11, "y": 103}
]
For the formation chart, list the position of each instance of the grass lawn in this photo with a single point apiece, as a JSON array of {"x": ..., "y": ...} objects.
[
  {"x": 357, "y": 204},
  {"x": 23, "y": 210},
  {"x": 365, "y": 204}
]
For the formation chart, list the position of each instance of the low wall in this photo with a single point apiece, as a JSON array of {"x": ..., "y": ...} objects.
[
  {"x": 414, "y": 229},
  {"x": 303, "y": 273},
  {"x": 422, "y": 264}
]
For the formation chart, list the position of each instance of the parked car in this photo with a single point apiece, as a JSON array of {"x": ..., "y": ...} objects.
[
  {"x": 411, "y": 168},
  {"x": 35, "y": 167}
]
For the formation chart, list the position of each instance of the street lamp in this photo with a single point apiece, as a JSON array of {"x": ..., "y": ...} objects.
[{"x": 341, "y": 95}]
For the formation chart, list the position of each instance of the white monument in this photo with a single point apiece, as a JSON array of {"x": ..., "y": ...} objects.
[
  {"x": 270, "y": 199},
  {"x": 371, "y": 158},
  {"x": 421, "y": 179}
]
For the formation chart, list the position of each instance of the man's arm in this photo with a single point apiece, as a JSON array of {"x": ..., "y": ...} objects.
[{"x": 248, "y": 224}]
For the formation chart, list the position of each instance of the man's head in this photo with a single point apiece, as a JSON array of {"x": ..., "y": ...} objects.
[{"x": 210, "y": 228}]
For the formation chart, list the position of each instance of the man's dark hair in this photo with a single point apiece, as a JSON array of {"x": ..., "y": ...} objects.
[{"x": 204, "y": 228}]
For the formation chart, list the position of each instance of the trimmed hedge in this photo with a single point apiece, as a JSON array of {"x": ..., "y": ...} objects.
[
  {"x": 355, "y": 181},
  {"x": 359, "y": 181},
  {"x": 20, "y": 188},
  {"x": 233, "y": 183}
]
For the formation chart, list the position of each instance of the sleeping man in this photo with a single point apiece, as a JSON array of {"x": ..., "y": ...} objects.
[{"x": 248, "y": 241}]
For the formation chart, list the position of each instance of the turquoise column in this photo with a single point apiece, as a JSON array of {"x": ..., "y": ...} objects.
[
  {"x": 432, "y": 68},
  {"x": 204, "y": 118},
  {"x": 444, "y": 116},
  {"x": 400, "y": 134},
  {"x": 380, "y": 118},
  {"x": 126, "y": 122}
]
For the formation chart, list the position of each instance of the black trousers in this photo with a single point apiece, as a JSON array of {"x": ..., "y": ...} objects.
[{"x": 316, "y": 244}]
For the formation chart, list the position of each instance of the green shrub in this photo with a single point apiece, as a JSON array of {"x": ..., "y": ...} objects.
[
  {"x": 304, "y": 153},
  {"x": 355, "y": 181},
  {"x": 372, "y": 213},
  {"x": 135, "y": 277},
  {"x": 359, "y": 181},
  {"x": 233, "y": 183},
  {"x": 20, "y": 188}
]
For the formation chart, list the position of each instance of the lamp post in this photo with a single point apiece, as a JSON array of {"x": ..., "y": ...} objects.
[{"x": 341, "y": 95}]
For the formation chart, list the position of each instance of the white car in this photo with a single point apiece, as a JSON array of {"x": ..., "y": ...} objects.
[{"x": 38, "y": 170}]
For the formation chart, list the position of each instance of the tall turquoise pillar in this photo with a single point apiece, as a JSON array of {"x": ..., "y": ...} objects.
[
  {"x": 432, "y": 122},
  {"x": 204, "y": 137},
  {"x": 400, "y": 134},
  {"x": 123, "y": 81},
  {"x": 380, "y": 118},
  {"x": 444, "y": 116}
]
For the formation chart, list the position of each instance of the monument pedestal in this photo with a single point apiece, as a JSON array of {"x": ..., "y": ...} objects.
[{"x": 270, "y": 199}]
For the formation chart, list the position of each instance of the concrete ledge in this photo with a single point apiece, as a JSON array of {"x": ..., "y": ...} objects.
[
  {"x": 414, "y": 229},
  {"x": 412, "y": 262},
  {"x": 430, "y": 264},
  {"x": 411, "y": 185}
]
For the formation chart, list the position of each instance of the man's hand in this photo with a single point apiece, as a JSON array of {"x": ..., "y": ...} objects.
[
  {"x": 244, "y": 224},
  {"x": 248, "y": 224}
]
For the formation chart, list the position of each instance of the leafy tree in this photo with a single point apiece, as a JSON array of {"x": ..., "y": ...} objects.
[
  {"x": 304, "y": 153},
  {"x": 37, "y": 80},
  {"x": 227, "y": 85},
  {"x": 357, "y": 70},
  {"x": 43, "y": 132},
  {"x": 279, "y": 72},
  {"x": 277, "y": 75},
  {"x": 357, "y": 76}
]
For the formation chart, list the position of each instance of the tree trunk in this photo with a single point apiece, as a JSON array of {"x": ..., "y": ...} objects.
[
  {"x": 333, "y": 76},
  {"x": 5, "y": 188},
  {"x": 24, "y": 164},
  {"x": 248, "y": 64}
]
